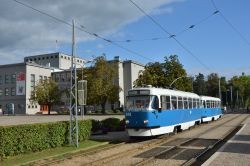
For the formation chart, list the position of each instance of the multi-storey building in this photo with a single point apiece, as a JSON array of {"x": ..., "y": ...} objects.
[
  {"x": 55, "y": 60},
  {"x": 127, "y": 73},
  {"x": 18, "y": 80},
  {"x": 16, "y": 84}
]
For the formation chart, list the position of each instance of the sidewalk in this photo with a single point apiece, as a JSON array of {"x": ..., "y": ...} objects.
[{"x": 236, "y": 151}]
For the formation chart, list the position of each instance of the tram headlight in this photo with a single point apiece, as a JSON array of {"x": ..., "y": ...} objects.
[
  {"x": 145, "y": 121},
  {"x": 127, "y": 121}
]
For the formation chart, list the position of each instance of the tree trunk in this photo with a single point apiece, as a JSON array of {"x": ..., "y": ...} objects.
[
  {"x": 103, "y": 107},
  {"x": 49, "y": 107}
]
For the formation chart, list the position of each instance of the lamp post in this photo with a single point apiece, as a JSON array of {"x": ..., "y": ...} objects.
[{"x": 180, "y": 78}]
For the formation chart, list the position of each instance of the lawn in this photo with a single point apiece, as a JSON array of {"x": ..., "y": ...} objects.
[{"x": 59, "y": 152}]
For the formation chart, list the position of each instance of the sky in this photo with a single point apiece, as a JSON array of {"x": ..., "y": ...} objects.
[{"x": 212, "y": 45}]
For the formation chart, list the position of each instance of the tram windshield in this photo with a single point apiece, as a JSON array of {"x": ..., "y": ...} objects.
[{"x": 138, "y": 102}]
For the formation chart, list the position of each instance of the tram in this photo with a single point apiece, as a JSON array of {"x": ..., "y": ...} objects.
[{"x": 155, "y": 111}]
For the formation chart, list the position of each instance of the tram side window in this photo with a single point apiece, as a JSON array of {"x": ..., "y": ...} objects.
[
  {"x": 198, "y": 103},
  {"x": 155, "y": 104},
  {"x": 190, "y": 103},
  {"x": 208, "y": 103},
  {"x": 194, "y": 103},
  {"x": 204, "y": 104},
  {"x": 174, "y": 102},
  {"x": 180, "y": 103},
  {"x": 165, "y": 102},
  {"x": 185, "y": 101}
]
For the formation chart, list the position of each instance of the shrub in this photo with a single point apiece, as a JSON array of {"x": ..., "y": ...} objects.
[
  {"x": 110, "y": 124},
  {"x": 96, "y": 125},
  {"x": 36, "y": 137}
]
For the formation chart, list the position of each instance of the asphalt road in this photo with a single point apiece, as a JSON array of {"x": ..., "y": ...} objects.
[{"x": 29, "y": 119}]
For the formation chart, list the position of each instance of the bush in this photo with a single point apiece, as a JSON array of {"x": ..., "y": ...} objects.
[
  {"x": 96, "y": 125},
  {"x": 36, "y": 137},
  {"x": 110, "y": 124}
]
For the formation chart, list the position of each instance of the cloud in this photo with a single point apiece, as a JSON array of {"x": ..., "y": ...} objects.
[
  {"x": 24, "y": 32},
  {"x": 100, "y": 46}
]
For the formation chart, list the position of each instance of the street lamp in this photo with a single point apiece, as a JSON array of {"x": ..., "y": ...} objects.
[{"x": 180, "y": 78}]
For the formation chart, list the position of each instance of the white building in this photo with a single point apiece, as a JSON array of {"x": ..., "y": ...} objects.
[
  {"x": 18, "y": 80},
  {"x": 16, "y": 83}
]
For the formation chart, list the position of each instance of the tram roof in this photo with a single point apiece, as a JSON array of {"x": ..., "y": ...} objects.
[
  {"x": 163, "y": 91},
  {"x": 209, "y": 98}
]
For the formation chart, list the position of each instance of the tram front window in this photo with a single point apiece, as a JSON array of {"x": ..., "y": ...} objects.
[{"x": 138, "y": 102}]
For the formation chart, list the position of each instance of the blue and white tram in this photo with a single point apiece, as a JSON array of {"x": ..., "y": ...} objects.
[
  {"x": 156, "y": 111},
  {"x": 210, "y": 107}
]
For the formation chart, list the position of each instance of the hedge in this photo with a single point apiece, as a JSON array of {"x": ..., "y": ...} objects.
[{"x": 36, "y": 137}]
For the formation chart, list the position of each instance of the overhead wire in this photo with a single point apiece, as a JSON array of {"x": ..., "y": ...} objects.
[
  {"x": 192, "y": 26},
  {"x": 243, "y": 38},
  {"x": 82, "y": 28},
  {"x": 170, "y": 35}
]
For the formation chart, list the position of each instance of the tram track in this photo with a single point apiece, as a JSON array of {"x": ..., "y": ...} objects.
[
  {"x": 143, "y": 147},
  {"x": 186, "y": 146},
  {"x": 109, "y": 159}
]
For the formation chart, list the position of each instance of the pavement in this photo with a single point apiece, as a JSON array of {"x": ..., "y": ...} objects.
[
  {"x": 235, "y": 151},
  {"x": 30, "y": 119}
]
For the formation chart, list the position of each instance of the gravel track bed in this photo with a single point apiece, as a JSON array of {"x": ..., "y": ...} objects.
[{"x": 130, "y": 157}]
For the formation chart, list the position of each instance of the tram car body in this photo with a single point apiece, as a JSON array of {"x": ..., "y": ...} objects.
[
  {"x": 156, "y": 111},
  {"x": 210, "y": 107}
]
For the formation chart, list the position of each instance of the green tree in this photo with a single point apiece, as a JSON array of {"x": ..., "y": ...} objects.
[
  {"x": 102, "y": 86},
  {"x": 242, "y": 86},
  {"x": 152, "y": 75},
  {"x": 213, "y": 85},
  {"x": 199, "y": 85},
  {"x": 163, "y": 74},
  {"x": 47, "y": 93}
]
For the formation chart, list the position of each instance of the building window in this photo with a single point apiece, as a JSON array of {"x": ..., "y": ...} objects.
[
  {"x": 32, "y": 83},
  {"x": 56, "y": 56},
  {"x": 40, "y": 78},
  {"x": 30, "y": 59},
  {"x": 39, "y": 59},
  {"x": 65, "y": 57},
  {"x": 43, "y": 58},
  {"x": 6, "y": 91},
  {"x": 1, "y": 92},
  {"x": 7, "y": 79},
  {"x": 51, "y": 57},
  {"x": 68, "y": 58},
  {"x": 13, "y": 78},
  {"x": 1, "y": 80},
  {"x": 57, "y": 77},
  {"x": 34, "y": 59},
  {"x": 45, "y": 78},
  {"x": 47, "y": 57},
  {"x": 13, "y": 91}
]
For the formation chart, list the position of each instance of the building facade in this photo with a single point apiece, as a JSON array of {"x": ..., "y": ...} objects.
[
  {"x": 17, "y": 81},
  {"x": 54, "y": 60}
]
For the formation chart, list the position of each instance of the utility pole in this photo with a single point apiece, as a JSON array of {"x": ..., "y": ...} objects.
[
  {"x": 237, "y": 98},
  {"x": 73, "y": 95},
  {"x": 231, "y": 101},
  {"x": 219, "y": 90}
]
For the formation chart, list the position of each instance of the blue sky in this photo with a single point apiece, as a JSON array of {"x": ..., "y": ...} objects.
[{"x": 212, "y": 41}]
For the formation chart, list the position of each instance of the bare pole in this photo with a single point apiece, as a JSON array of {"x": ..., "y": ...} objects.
[
  {"x": 219, "y": 90},
  {"x": 73, "y": 94}
]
